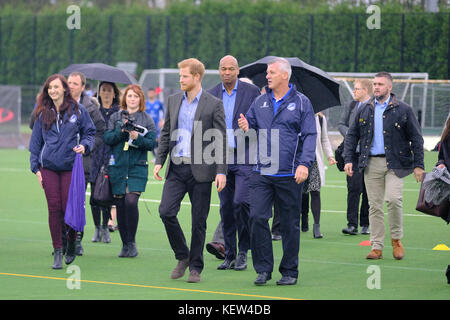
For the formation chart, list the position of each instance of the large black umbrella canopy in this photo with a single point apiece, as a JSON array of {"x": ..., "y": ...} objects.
[
  {"x": 321, "y": 89},
  {"x": 101, "y": 72}
]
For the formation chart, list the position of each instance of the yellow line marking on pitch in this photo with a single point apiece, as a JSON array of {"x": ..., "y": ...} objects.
[{"x": 147, "y": 286}]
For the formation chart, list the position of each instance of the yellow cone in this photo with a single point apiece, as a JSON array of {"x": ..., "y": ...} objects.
[{"x": 441, "y": 247}]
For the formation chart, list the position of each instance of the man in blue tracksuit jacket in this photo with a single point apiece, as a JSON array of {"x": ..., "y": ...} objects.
[{"x": 283, "y": 119}]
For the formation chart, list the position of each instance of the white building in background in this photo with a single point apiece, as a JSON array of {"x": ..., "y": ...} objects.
[{"x": 429, "y": 5}]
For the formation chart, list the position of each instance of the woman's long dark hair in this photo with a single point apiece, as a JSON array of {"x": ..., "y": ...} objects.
[
  {"x": 445, "y": 134},
  {"x": 117, "y": 94},
  {"x": 45, "y": 110}
]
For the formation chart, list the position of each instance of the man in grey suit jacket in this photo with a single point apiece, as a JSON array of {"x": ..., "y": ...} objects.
[
  {"x": 355, "y": 184},
  {"x": 193, "y": 118}
]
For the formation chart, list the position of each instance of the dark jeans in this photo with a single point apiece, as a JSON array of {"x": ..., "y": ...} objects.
[
  {"x": 179, "y": 182},
  {"x": 235, "y": 210},
  {"x": 56, "y": 187},
  {"x": 287, "y": 194},
  {"x": 356, "y": 187}
]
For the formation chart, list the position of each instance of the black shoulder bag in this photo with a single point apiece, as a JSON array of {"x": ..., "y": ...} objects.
[{"x": 102, "y": 193}]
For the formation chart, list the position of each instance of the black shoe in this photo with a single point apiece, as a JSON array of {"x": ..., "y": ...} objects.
[
  {"x": 350, "y": 230},
  {"x": 241, "y": 262},
  {"x": 57, "y": 258},
  {"x": 124, "y": 252},
  {"x": 78, "y": 247},
  {"x": 216, "y": 249},
  {"x": 305, "y": 228},
  {"x": 365, "y": 230},
  {"x": 132, "y": 250},
  {"x": 286, "y": 281},
  {"x": 105, "y": 234},
  {"x": 97, "y": 234},
  {"x": 316, "y": 231},
  {"x": 70, "y": 254},
  {"x": 226, "y": 265},
  {"x": 262, "y": 278}
]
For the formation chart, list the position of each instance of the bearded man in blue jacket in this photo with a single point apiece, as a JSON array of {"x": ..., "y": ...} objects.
[{"x": 283, "y": 120}]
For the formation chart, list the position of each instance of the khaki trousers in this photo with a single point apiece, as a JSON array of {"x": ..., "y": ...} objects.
[{"x": 382, "y": 184}]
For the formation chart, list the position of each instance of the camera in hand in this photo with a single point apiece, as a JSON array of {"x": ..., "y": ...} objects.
[{"x": 130, "y": 125}]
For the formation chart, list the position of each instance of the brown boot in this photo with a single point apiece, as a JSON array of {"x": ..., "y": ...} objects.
[
  {"x": 194, "y": 276},
  {"x": 180, "y": 269},
  {"x": 399, "y": 251},
  {"x": 375, "y": 254}
]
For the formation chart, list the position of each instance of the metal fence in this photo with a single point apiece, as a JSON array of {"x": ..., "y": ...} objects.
[
  {"x": 33, "y": 47},
  {"x": 429, "y": 98}
]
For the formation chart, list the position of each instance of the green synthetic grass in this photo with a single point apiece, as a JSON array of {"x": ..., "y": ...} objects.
[{"x": 330, "y": 268}]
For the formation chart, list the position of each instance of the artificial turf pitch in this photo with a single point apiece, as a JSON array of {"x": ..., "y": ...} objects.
[{"x": 333, "y": 267}]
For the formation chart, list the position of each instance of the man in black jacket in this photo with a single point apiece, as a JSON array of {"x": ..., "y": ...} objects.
[
  {"x": 391, "y": 147},
  {"x": 355, "y": 184},
  {"x": 77, "y": 83}
]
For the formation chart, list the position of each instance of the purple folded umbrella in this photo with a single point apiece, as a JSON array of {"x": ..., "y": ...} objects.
[{"x": 75, "y": 215}]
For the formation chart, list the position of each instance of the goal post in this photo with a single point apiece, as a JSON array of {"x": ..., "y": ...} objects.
[{"x": 10, "y": 117}]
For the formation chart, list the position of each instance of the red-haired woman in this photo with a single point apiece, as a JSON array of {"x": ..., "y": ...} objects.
[
  {"x": 131, "y": 134},
  {"x": 62, "y": 128}
]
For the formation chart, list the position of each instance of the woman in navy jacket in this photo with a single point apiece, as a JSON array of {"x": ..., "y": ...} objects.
[{"x": 62, "y": 129}]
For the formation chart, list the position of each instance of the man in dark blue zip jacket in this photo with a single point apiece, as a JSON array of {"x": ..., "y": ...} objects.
[{"x": 283, "y": 120}]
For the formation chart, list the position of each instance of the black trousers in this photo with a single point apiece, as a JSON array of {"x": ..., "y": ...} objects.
[
  {"x": 356, "y": 187},
  {"x": 235, "y": 210},
  {"x": 286, "y": 193},
  {"x": 179, "y": 182}
]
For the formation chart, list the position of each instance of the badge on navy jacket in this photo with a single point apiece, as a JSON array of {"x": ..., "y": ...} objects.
[{"x": 291, "y": 106}]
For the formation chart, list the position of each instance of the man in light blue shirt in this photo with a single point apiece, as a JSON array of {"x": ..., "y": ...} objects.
[
  {"x": 229, "y": 99},
  {"x": 377, "y": 147},
  {"x": 185, "y": 123}
]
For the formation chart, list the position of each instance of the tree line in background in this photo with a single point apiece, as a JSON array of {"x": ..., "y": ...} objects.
[
  {"x": 402, "y": 5},
  {"x": 35, "y": 45}
]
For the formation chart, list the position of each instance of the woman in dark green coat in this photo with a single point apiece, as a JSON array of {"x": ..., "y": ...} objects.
[{"x": 131, "y": 134}]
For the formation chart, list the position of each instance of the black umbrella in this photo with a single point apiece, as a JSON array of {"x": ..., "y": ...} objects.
[
  {"x": 101, "y": 72},
  {"x": 321, "y": 89}
]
